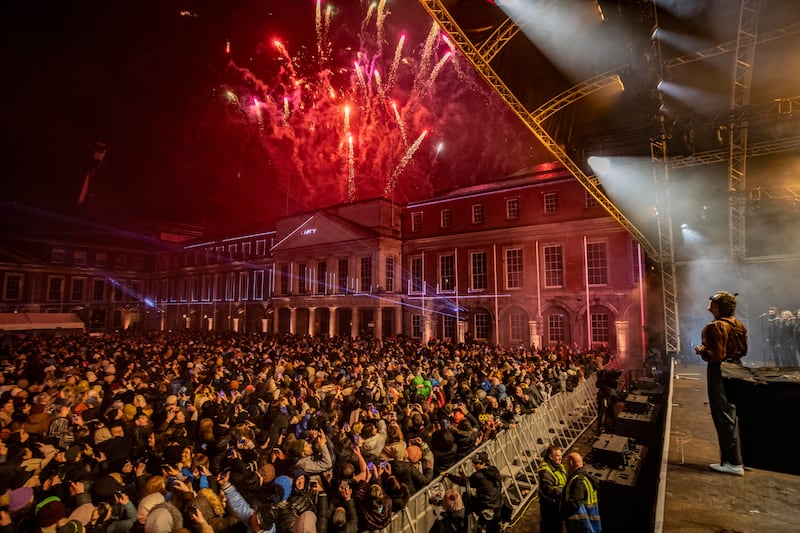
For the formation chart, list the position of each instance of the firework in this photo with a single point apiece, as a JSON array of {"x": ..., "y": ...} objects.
[{"x": 336, "y": 129}]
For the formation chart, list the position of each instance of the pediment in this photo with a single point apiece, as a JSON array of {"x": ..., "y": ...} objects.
[{"x": 321, "y": 229}]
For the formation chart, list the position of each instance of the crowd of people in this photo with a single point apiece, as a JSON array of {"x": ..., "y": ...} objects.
[
  {"x": 224, "y": 432},
  {"x": 783, "y": 336}
]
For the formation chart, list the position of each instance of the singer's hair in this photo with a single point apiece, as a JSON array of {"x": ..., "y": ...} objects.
[{"x": 726, "y": 302}]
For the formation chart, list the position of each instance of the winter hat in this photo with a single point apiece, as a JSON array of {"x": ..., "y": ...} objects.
[
  {"x": 20, "y": 498},
  {"x": 49, "y": 511},
  {"x": 296, "y": 449},
  {"x": 164, "y": 518},
  {"x": 147, "y": 503},
  {"x": 285, "y": 484}
]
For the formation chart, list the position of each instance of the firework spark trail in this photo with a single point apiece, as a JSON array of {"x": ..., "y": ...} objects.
[
  {"x": 392, "y": 183},
  {"x": 351, "y": 174},
  {"x": 286, "y": 111},
  {"x": 318, "y": 28},
  {"x": 367, "y": 17},
  {"x": 378, "y": 82},
  {"x": 380, "y": 25},
  {"x": 398, "y": 53},
  {"x": 437, "y": 69},
  {"x": 289, "y": 60},
  {"x": 400, "y": 124},
  {"x": 427, "y": 51},
  {"x": 360, "y": 75}
]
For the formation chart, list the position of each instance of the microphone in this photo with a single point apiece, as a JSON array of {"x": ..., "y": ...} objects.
[{"x": 762, "y": 315}]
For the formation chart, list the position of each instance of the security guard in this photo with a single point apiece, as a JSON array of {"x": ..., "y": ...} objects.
[
  {"x": 552, "y": 478},
  {"x": 579, "y": 506}
]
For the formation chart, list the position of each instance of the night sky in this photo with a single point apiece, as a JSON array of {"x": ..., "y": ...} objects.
[{"x": 186, "y": 142}]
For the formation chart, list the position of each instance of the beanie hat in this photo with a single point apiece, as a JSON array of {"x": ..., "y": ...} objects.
[
  {"x": 49, "y": 511},
  {"x": 19, "y": 498},
  {"x": 296, "y": 449},
  {"x": 164, "y": 518},
  {"x": 285, "y": 484},
  {"x": 147, "y": 503}
]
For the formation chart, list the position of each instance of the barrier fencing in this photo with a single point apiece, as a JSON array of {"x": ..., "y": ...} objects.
[{"x": 516, "y": 452}]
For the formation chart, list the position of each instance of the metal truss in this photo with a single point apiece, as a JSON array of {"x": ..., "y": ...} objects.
[
  {"x": 721, "y": 156},
  {"x": 740, "y": 98},
  {"x": 575, "y": 93},
  {"x": 666, "y": 258},
  {"x": 482, "y": 67},
  {"x": 730, "y": 46},
  {"x": 659, "y": 160},
  {"x": 503, "y": 34}
]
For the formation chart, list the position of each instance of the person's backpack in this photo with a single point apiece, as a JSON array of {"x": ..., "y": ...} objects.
[{"x": 737, "y": 341}]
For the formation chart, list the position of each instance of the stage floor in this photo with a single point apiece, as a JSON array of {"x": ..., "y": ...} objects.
[{"x": 698, "y": 500}]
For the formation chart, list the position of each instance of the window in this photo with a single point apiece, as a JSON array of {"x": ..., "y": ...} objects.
[
  {"x": 261, "y": 247},
  {"x": 390, "y": 274},
  {"x": 246, "y": 247},
  {"x": 138, "y": 263},
  {"x": 302, "y": 278},
  {"x": 322, "y": 274},
  {"x": 76, "y": 293},
  {"x": 12, "y": 289},
  {"x": 244, "y": 286},
  {"x": 98, "y": 290},
  {"x": 258, "y": 285},
  {"x": 57, "y": 255},
  {"x": 596, "y": 263},
  {"x": 445, "y": 218},
  {"x": 447, "y": 273},
  {"x": 342, "y": 274},
  {"x": 366, "y": 274},
  {"x": 285, "y": 279},
  {"x": 556, "y": 328},
  {"x": 416, "y": 274},
  {"x": 550, "y": 202},
  {"x": 219, "y": 286},
  {"x": 478, "y": 274},
  {"x": 55, "y": 288},
  {"x": 416, "y": 326},
  {"x": 514, "y": 268},
  {"x": 553, "y": 266},
  {"x": 449, "y": 326},
  {"x": 233, "y": 250},
  {"x": 119, "y": 261},
  {"x": 195, "y": 284},
  {"x": 100, "y": 259},
  {"x": 590, "y": 201},
  {"x": 512, "y": 208},
  {"x": 481, "y": 325},
  {"x": 230, "y": 287},
  {"x": 80, "y": 257},
  {"x": 477, "y": 214},
  {"x": 208, "y": 285},
  {"x": 416, "y": 221},
  {"x": 518, "y": 322},
  {"x": 600, "y": 328},
  {"x": 116, "y": 291}
]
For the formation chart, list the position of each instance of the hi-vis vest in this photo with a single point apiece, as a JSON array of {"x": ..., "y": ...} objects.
[
  {"x": 588, "y": 516},
  {"x": 558, "y": 474}
]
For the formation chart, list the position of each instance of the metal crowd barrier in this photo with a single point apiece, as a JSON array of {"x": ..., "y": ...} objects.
[{"x": 516, "y": 453}]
